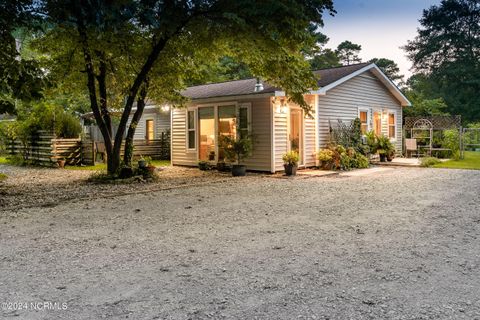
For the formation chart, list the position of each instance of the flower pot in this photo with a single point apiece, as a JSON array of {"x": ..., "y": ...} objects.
[
  {"x": 61, "y": 163},
  {"x": 142, "y": 163},
  {"x": 290, "y": 169},
  {"x": 221, "y": 166},
  {"x": 390, "y": 157},
  {"x": 239, "y": 170},
  {"x": 203, "y": 165},
  {"x": 383, "y": 157}
]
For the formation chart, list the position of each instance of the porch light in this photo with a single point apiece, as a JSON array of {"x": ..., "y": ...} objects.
[{"x": 165, "y": 108}]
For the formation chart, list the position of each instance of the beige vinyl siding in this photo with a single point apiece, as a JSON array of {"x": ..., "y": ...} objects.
[
  {"x": 280, "y": 132},
  {"x": 161, "y": 121},
  {"x": 260, "y": 123},
  {"x": 364, "y": 91},
  {"x": 179, "y": 153},
  {"x": 261, "y": 126}
]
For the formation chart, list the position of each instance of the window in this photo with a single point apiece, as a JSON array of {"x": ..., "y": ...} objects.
[
  {"x": 227, "y": 120},
  {"x": 150, "y": 133},
  {"x": 377, "y": 122},
  {"x": 206, "y": 122},
  {"x": 243, "y": 121},
  {"x": 191, "y": 143},
  {"x": 363, "y": 121},
  {"x": 391, "y": 126}
]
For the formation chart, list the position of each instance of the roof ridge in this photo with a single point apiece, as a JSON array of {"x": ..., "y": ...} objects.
[
  {"x": 349, "y": 65},
  {"x": 227, "y": 81}
]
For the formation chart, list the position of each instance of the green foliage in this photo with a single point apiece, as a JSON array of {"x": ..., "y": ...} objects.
[
  {"x": 3, "y": 177},
  {"x": 429, "y": 162},
  {"x": 291, "y": 158},
  {"x": 390, "y": 68},
  {"x": 451, "y": 140},
  {"x": 336, "y": 157},
  {"x": 384, "y": 145},
  {"x": 348, "y": 51},
  {"x": 418, "y": 92},
  {"x": 236, "y": 149},
  {"x": 451, "y": 74},
  {"x": 326, "y": 58}
]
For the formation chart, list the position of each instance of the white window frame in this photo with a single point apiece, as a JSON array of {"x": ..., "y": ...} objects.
[
  {"x": 194, "y": 129},
  {"x": 367, "y": 110},
  {"x": 389, "y": 112},
  {"x": 154, "y": 127}
]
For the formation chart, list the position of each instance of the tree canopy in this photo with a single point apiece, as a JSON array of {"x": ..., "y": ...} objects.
[
  {"x": 390, "y": 68},
  {"x": 133, "y": 50},
  {"x": 348, "y": 51},
  {"x": 447, "y": 51}
]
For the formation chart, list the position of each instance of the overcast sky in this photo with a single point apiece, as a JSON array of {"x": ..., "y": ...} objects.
[{"x": 379, "y": 26}]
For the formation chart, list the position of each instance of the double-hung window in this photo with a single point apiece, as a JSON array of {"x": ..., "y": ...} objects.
[
  {"x": 392, "y": 127},
  {"x": 363, "y": 115},
  {"x": 191, "y": 130},
  {"x": 243, "y": 120}
]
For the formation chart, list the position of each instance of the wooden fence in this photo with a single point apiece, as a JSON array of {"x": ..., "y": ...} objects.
[{"x": 45, "y": 149}]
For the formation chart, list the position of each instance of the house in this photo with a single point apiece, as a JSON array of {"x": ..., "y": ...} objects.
[
  {"x": 154, "y": 122},
  {"x": 230, "y": 108}
]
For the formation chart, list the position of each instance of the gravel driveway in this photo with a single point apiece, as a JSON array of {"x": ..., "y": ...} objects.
[{"x": 401, "y": 243}]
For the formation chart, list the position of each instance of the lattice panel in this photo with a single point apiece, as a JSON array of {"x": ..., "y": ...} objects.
[{"x": 438, "y": 122}]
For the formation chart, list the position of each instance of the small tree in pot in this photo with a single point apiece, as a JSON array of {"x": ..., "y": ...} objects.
[
  {"x": 290, "y": 163},
  {"x": 384, "y": 147},
  {"x": 235, "y": 151}
]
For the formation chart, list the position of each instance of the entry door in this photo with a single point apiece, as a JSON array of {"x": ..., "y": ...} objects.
[{"x": 295, "y": 135}]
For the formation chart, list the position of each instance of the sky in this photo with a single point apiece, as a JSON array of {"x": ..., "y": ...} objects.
[{"x": 381, "y": 27}]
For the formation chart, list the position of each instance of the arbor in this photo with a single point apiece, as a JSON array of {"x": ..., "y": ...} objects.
[
  {"x": 133, "y": 50},
  {"x": 447, "y": 51},
  {"x": 390, "y": 68},
  {"x": 348, "y": 51}
]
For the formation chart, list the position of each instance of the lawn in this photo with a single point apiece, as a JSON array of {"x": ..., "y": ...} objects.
[
  {"x": 471, "y": 161},
  {"x": 103, "y": 166},
  {"x": 3, "y": 160}
]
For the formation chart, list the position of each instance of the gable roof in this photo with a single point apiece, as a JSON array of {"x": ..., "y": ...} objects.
[{"x": 328, "y": 79}]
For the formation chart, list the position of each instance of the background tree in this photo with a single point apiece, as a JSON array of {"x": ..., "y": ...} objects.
[
  {"x": 390, "y": 68},
  {"x": 348, "y": 51},
  {"x": 417, "y": 91},
  {"x": 133, "y": 50},
  {"x": 447, "y": 51}
]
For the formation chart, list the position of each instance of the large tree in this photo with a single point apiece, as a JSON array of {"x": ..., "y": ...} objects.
[
  {"x": 447, "y": 51},
  {"x": 390, "y": 68},
  {"x": 348, "y": 51},
  {"x": 134, "y": 50}
]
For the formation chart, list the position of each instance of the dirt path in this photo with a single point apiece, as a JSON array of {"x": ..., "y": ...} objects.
[{"x": 400, "y": 244}]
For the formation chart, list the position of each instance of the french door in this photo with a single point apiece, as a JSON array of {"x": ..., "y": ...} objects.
[{"x": 295, "y": 135}]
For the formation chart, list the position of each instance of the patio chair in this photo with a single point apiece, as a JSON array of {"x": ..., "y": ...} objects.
[{"x": 411, "y": 146}]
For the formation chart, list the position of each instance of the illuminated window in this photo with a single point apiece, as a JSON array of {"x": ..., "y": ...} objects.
[
  {"x": 377, "y": 123},
  {"x": 150, "y": 133},
  {"x": 391, "y": 125},
  {"x": 364, "y": 121}
]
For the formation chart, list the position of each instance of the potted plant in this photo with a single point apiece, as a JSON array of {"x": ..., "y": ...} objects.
[
  {"x": 384, "y": 147},
  {"x": 148, "y": 165},
  {"x": 211, "y": 156},
  {"x": 142, "y": 163},
  {"x": 203, "y": 165},
  {"x": 390, "y": 155},
  {"x": 235, "y": 151},
  {"x": 290, "y": 163}
]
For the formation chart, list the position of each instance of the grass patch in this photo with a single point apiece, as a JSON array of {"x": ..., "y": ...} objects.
[
  {"x": 471, "y": 161},
  {"x": 3, "y": 160},
  {"x": 2, "y": 177},
  {"x": 103, "y": 166}
]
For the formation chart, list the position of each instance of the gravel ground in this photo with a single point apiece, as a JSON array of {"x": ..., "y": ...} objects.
[
  {"x": 45, "y": 187},
  {"x": 401, "y": 243}
]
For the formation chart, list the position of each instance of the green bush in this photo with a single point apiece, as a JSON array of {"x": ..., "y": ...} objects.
[
  {"x": 429, "y": 162},
  {"x": 451, "y": 140},
  {"x": 337, "y": 157},
  {"x": 291, "y": 158}
]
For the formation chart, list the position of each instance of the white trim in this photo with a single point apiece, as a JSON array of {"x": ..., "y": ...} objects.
[
  {"x": 378, "y": 73},
  {"x": 195, "y": 120},
  {"x": 154, "y": 120},
  {"x": 272, "y": 135},
  {"x": 363, "y": 109},
  {"x": 317, "y": 124},
  {"x": 214, "y": 100},
  {"x": 394, "y": 112}
]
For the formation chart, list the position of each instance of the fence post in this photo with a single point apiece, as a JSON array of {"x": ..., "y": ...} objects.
[{"x": 462, "y": 146}]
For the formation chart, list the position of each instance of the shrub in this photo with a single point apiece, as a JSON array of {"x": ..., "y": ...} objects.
[
  {"x": 451, "y": 140},
  {"x": 236, "y": 149},
  {"x": 429, "y": 162},
  {"x": 291, "y": 158},
  {"x": 336, "y": 157}
]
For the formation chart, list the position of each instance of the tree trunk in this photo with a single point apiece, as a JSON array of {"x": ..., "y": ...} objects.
[{"x": 128, "y": 155}]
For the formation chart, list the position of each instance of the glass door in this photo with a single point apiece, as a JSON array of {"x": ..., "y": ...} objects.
[
  {"x": 206, "y": 122},
  {"x": 295, "y": 135},
  {"x": 377, "y": 122},
  {"x": 227, "y": 126}
]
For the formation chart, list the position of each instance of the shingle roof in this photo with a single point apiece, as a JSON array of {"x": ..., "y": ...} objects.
[{"x": 247, "y": 86}]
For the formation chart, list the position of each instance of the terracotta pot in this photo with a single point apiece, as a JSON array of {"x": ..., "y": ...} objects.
[{"x": 151, "y": 169}]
